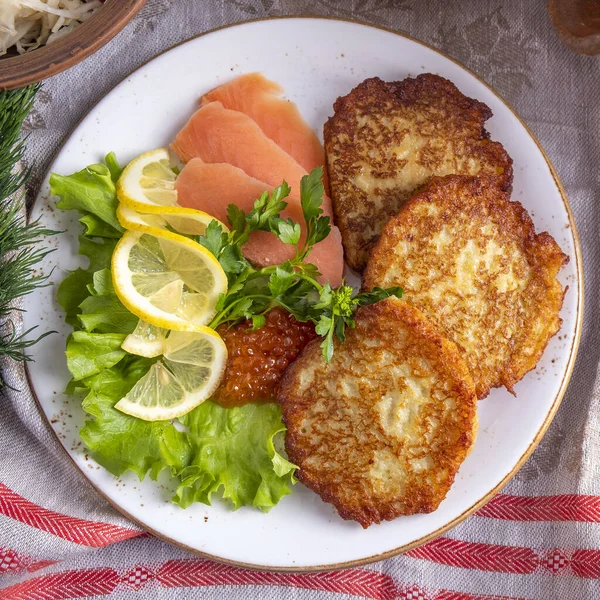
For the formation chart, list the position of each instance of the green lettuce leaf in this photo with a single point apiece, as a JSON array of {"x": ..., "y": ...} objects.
[
  {"x": 228, "y": 451},
  {"x": 90, "y": 302},
  {"x": 113, "y": 166},
  {"x": 113, "y": 383},
  {"x": 102, "y": 284},
  {"x": 94, "y": 226},
  {"x": 90, "y": 191},
  {"x": 72, "y": 292},
  {"x": 119, "y": 442},
  {"x": 90, "y": 353},
  {"x": 106, "y": 314},
  {"x": 234, "y": 454},
  {"x": 98, "y": 250},
  {"x": 102, "y": 311}
]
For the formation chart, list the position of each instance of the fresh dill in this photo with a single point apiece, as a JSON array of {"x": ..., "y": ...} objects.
[{"x": 19, "y": 241}]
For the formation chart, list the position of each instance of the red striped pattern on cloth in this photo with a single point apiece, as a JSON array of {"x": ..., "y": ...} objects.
[
  {"x": 484, "y": 557},
  {"x": 187, "y": 573},
  {"x": 449, "y": 552},
  {"x": 510, "y": 559},
  {"x": 586, "y": 563},
  {"x": 571, "y": 507},
  {"x": 567, "y": 507},
  {"x": 357, "y": 582},
  {"x": 79, "y": 531},
  {"x": 14, "y": 563},
  {"x": 67, "y": 584}
]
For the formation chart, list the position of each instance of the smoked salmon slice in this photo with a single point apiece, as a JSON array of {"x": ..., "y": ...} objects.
[
  {"x": 211, "y": 187},
  {"x": 219, "y": 135},
  {"x": 280, "y": 119},
  {"x": 265, "y": 249}
]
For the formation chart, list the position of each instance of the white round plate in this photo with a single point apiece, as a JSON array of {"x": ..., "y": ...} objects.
[{"x": 315, "y": 60}]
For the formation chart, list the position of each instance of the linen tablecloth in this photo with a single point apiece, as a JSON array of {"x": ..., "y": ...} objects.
[{"x": 540, "y": 538}]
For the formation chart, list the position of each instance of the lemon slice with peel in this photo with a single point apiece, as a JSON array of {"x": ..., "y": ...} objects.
[
  {"x": 166, "y": 279},
  {"x": 188, "y": 373},
  {"x": 146, "y": 340},
  {"x": 186, "y": 221},
  {"x": 148, "y": 180}
]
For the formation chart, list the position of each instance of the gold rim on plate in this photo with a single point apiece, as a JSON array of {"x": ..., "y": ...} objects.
[{"x": 537, "y": 438}]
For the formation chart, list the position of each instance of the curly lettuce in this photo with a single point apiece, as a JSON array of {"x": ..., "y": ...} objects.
[
  {"x": 233, "y": 452},
  {"x": 230, "y": 452}
]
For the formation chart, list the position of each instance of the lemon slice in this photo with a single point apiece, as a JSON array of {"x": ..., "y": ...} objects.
[
  {"x": 148, "y": 180},
  {"x": 187, "y": 374},
  {"x": 186, "y": 221},
  {"x": 146, "y": 340},
  {"x": 166, "y": 279}
]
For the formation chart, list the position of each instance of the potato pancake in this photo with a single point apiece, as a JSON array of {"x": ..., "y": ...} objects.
[
  {"x": 381, "y": 430},
  {"x": 385, "y": 140},
  {"x": 470, "y": 260}
]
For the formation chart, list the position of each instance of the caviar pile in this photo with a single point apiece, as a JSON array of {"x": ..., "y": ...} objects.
[{"x": 257, "y": 359}]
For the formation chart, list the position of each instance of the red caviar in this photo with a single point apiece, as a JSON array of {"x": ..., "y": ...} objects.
[{"x": 257, "y": 359}]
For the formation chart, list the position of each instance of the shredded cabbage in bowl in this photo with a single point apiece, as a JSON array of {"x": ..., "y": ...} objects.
[{"x": 29, "y": 24}]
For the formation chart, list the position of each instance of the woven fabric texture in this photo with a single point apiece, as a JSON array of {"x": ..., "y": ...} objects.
[{"x": 539, "y": 539}]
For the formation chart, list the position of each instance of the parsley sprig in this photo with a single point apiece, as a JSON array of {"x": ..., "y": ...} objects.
[{"x": 292, "y": 285}]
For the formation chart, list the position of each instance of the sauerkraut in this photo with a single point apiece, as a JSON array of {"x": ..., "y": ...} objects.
[{"x": 29, "y": 24}]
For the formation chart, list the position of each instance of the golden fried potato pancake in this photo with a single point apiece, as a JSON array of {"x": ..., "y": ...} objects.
[
  {"x": 382, "y": 429},
  {"x": 385, "y": 140},
  {"x": 470, "y": 260}
]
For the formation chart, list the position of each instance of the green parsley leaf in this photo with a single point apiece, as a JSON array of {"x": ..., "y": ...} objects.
[
  {"x": 288, "y": 231},
  {"x": 311, "y": 199},
  {"x": 292, "y": 285},
  {"x": 265, "y": 208},
  {"x": 311, "y": 194},
  {"x": 340, "y": 328},
  {"x": 324, "y": 325},
  {"x": 236, "y": 217},
  {"x": 377, "y": 294},
  {"x": 281, "y": 279},
  {"x": 325, "y": 297},
  {"x": 327, "y": 346},
  {"x": 320, "y": 229},
  {"x": 258, "y": 321},
  {"x": 232, "y": 261},
  {"x": 214, "y": 238}
]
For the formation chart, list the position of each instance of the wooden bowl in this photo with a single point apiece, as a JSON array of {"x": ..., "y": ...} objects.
[
  {"x": 578, "y": 24},
  {"x": 18, "y": 71}
]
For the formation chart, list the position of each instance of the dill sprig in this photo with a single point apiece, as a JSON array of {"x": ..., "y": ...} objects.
[{"x": 19, "y": 251}]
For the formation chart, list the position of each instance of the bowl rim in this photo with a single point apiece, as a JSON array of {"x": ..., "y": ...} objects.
[{"x": 85, "y": 40}]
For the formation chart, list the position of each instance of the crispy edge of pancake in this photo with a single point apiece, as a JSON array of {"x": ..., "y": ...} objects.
[
  {"x": 380, "y": 322},
  {"x": 412, "y": 93},
  {"x": 544, "y": 256}
]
